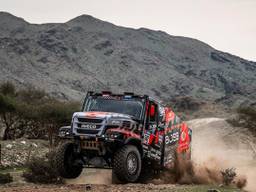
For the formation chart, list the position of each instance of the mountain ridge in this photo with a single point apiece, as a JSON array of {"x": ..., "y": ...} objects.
[{"x": 68, "y": 59}]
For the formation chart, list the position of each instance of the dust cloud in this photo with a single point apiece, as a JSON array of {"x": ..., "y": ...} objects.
[
  {"x": 217, "y": 146},
  {"x": 187, "y": 172}
]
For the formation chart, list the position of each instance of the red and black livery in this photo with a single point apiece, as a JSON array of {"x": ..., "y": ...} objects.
[{"x": 123, "y": 132}]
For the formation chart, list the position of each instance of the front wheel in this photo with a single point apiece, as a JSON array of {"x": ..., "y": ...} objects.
[
  {"x": 127, "y": 164},
  {"x": 65, "y": 162}
]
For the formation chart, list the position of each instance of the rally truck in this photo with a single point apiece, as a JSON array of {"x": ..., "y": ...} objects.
[{"x": 125, "y": 132}]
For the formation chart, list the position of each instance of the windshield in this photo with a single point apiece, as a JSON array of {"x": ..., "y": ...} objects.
[{"x": 129, "y": 107}]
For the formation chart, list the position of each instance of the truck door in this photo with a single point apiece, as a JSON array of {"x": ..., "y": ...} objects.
[{"x": 151, "y": 142}]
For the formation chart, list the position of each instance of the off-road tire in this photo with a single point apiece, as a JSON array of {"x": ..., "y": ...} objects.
[
  {"x": 120, "y": 164},
  {"x": 63, "y": 165}
]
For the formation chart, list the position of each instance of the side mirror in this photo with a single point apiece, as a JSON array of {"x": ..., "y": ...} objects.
[{"x": 152, "y": 110}]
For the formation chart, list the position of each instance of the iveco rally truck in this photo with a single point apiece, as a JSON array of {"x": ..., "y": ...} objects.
[{"x": 124, "y": 132}]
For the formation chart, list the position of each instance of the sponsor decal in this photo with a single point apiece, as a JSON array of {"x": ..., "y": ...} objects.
[
  {"x": 89, "y": 126},
  {"x": 184, "y": 140},
  {"x": 183, "y": 136},
  {"x": 154, "y": 153}
]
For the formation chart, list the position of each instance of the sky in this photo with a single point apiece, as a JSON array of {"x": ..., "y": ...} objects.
[{"x": 227, "y": 25}]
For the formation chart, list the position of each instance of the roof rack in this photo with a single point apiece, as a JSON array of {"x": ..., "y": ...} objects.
[
  {"x": 128, "y": 93},
  {"x": 106, "y": 93}
]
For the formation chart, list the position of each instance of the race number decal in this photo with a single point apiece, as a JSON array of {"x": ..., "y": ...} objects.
[{"x": 172, "y": 137}]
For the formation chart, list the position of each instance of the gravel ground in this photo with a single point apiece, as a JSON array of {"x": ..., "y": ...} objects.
[
  {"x": 230, "y": 146},
  {"x": 114, "y": 188},
  {"x": 17, "y": 153}
]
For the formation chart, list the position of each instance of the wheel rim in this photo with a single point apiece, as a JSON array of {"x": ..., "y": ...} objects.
[{"x": 132, "y": 163}]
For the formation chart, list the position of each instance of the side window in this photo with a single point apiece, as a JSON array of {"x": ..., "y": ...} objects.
[
  {"x": 153, "y": 113},
  {"x": 152, "y": 116},
  {"x": 161, "y": 115}
]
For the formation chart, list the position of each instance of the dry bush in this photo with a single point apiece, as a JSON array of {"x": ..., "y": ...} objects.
[
  {"x": 41, "y": 170},
  {"x": 246, "y": 117},
  {"x": 5, "y": 178},
  {"x": 228, "y": 175}
]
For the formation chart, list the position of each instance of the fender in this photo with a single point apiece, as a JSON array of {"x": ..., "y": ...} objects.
[
  {"x": 128, "y": 134},
  {"x": 136, "y": 142}
]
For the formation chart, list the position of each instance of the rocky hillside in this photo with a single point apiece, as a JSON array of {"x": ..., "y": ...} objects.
[{"x": 85, "y": 53}]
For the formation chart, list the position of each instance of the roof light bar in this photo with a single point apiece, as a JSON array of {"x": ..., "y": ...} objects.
[{"x": 128, "y": 93}]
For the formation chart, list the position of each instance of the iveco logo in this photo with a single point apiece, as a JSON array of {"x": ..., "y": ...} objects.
[{"x": 89, "y": 126}]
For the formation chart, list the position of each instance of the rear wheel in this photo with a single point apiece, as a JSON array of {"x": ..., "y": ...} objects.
[
  {"x": 65, "y": 161},
  {"x": 127, "y": 164}
]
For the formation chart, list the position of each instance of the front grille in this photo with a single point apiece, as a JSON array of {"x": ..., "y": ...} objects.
[
  {"x": 87, "y": 131},
  {"x": 126, "y": 124},
  {"x": 88, "y": 126},
  {"x": 88, "y": 120}
]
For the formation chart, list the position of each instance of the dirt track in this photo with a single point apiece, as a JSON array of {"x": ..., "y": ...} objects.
[
  {"x": 114, "y": 188},
  {"x": 79, "y": 188}
]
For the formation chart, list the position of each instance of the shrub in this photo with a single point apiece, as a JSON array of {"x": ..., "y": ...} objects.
[
  {"x": 228, "y": 176},
  {"x": 5, "y": 178},
  {"x": 7, "y": 88},
  {"x": 7, "y": 104},
  {"x": 41, "y": 170},
  {"x": 246, "y": 117}
]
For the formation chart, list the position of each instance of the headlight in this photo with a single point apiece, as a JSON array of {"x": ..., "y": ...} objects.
[
  {"x": 114, "y": 135},
  {"x": 63, "y": 133}
]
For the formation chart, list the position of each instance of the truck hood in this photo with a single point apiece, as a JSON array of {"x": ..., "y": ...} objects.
[{"x": 99, "y": 114}]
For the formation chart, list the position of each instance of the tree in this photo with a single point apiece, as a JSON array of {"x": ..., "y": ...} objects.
[
  {"x": 55, "y": 114},
  {"x": 32, "y": 112},
  {"x": 7, "y": 107}
]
